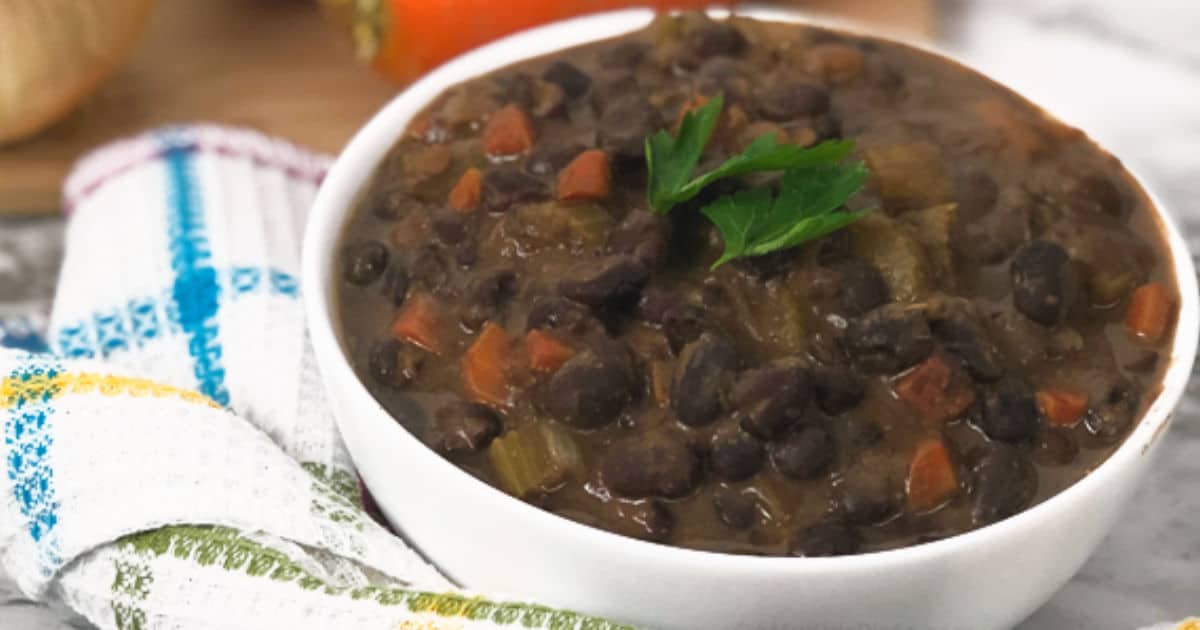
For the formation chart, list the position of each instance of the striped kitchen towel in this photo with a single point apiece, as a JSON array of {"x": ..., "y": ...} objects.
[{"x": 171, "y": 461}]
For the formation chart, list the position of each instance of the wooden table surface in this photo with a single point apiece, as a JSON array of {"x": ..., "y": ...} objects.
[{"x": 275, "y": 65}]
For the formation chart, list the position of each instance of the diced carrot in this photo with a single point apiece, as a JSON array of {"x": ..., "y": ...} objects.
[
  {"x": 931, "y": 477},
  {"x": 485, "y": 367},
  {"x": 1062, "y": 407},
  {"x": 466, "y": 193},
  {"x": 546, "y": 353},
  {"x": 938, "y": 389},
  {"x": 508, "y": 132},
  {"x": 417, "y": 322},
  {"x": 586, "y": 177},
  {"x": 1149, "y": 312}
]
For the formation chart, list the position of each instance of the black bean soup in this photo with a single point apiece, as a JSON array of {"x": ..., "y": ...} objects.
[{"x": 980, "y": 342}]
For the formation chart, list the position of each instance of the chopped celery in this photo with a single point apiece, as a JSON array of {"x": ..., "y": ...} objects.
[
  {"x": 933, "y": 227},
  {"x": 535, "y": 458},
  {"x": 910, "y": 176},
  {"x": 897, "y": 254}
]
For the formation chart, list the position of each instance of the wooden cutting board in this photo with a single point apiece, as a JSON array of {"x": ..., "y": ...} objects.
[{"x": 274, "y": 65}]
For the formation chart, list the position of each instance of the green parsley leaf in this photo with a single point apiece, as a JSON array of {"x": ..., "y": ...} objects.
[
  {"x": 764, "y": 154},
  {"x": 671, "y": 160},
  {"x": 757, "y": 221}
]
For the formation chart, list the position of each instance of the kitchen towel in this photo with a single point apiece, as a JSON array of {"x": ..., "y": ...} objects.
[{"x": 171, "y": 461}]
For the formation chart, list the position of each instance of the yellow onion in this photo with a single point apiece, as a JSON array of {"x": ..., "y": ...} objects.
[{"x": 53, "y": 53}]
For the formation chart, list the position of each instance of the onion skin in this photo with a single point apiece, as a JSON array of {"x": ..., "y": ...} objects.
[{"x": 56, "y": 53}]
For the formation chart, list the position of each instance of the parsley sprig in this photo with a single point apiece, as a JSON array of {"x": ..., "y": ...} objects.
[{"x": 760, "y": 220}]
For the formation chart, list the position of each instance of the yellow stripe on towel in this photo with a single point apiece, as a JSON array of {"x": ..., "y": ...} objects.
[{"x": 44, "y": 386}]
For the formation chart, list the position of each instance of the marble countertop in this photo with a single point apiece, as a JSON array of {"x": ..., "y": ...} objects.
[{"x": 1129, "y": 73}]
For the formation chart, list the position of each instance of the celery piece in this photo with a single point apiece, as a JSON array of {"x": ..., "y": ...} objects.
[
  {"x": 910, "y": 176},
  {"x": 897, "y": 254},
  {"x": 535, "y": 458}
]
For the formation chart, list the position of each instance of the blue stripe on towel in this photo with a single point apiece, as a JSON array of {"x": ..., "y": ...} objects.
[
  {"x": 144, "y": 319},
  {"x": 27, "y": 441},
  {"x": 196, "y": 292}
]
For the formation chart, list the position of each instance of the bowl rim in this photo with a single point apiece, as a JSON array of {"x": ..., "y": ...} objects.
[{"x": 357, "y": 162}]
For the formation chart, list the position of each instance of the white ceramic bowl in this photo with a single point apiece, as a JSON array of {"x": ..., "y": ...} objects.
[{"x": 486, "y": 540}]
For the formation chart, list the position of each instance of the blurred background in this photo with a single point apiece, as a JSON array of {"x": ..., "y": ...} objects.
[{"x": 77, "y": 73}]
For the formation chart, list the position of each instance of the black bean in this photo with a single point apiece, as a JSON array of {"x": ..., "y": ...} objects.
[
  {"x": 865, "y": 497},
  {"x": 827, "y": 127},
  {"x": 976, "y": 193},
  {"x": 624, "y": 55},
  {"x": 860, "y": 287},
  {"x": 803, "y": 454},
  {"x": 838, "y": 388},
  {"x": 487, "y": 296},
  {"x": 516, "y": 87},
  {"x": 1043, "y": 282},
  {"x": 506, "y": 186},
  {"x": 644, "y": 520},
  {"x": 395, "y": 284},
  {"x": 1003, "y": 483},
  {"x": 966, "y": 339},
  {"x": 1055, "y": 448},
  {"x": 364, "y": 262},
  {"x": 889, "y": 339},
  {"x": 715, "y": 38},
  {"x": 652, "y": 306},
  {"x": 573, "y": 81},
  {"x": 625, "y": 123},
  {"x": 653, "y": 466},
  {"x": 1096, "y": 193},
  {"x": 395, "y": 364},
  {"x": 619, "y": 278},
  {"x": 722, "y": 75},
  {"x": 788, "y": 101},
  {"x": 834, "y": 248},
  {"x": 643, "y": 235},
  {"x": 683, "y": 323},
  {"x": 555, "y": 312},
  {"x": 592, "y": 388},
  {"x": 429, "y": 269},
  {"x": 451, "y": 227},
  {"x": 735, "y": 455},
  {"x": 466, "y": 253},
  {"x": 462, "y": 427},
  {"x": 1010, "y": 413},
  {"x": 548, "y": 159},
  {"x": 769, "y": 265},
  {"x": 702, "y": 378},
  {"x": 862, "y": 433},
  {"x": 1111, "y": 417},
  {"x": 736, "y": 509},
  {"x": 826, "y": 538},
  {"x": 768, "y": 401},
  {"x": 391, "y": 204}
]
